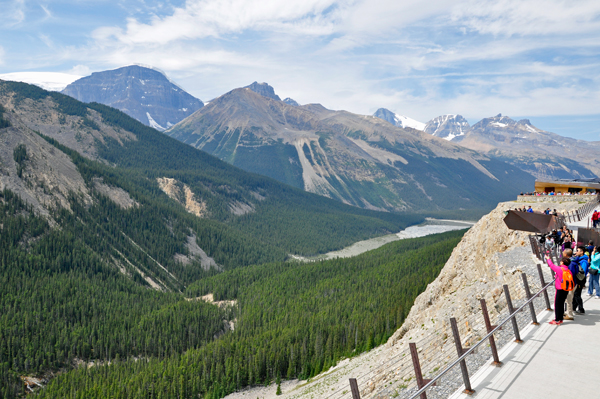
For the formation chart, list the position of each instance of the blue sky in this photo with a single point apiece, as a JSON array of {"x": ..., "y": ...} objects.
[{"x": 536, "y": 59}]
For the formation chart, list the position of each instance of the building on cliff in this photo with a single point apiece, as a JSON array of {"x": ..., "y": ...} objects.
[{"x": 573, "y": 186}]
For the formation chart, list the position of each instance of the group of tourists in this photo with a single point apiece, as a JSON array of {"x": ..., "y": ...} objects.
[
  {"x": 529, "y": 209},
  {"x": 571, "y": 277},
  {"x": 559, "y": 239},
  {"x": 559, "y": 193}
]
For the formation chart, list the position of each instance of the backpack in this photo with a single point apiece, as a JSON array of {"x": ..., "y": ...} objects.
[
  {"x": 580, "y": 276},
  {"x": 567, "y": 283}
]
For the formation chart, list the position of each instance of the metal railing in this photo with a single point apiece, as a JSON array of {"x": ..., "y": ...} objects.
[
  {"x": 489, "y": 336},
  {"x": 583, "y": 211},
  {"x": 462, "y": 353}
]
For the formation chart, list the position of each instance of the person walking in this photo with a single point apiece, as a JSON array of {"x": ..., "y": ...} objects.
[
  {"x": 594, "y": 273},
  {"x": 562, "y": 274},
  {"x": 595, "y": 217},
  {"x": 579, "y": 268}
]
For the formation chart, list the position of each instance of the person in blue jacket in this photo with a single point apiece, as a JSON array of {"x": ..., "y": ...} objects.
[
  {"x": 595, "y": 278},
  {"x": 580, "y": 259}
]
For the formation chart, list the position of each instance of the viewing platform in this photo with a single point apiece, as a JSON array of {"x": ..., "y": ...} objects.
[{"x": 548, "y": 362}]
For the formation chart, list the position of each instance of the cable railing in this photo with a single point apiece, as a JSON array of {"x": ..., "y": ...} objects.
[
  {"x": 467, "y": 352},
  {"x": 583, "y": 211},
  {"x": 444, "y": 350}
]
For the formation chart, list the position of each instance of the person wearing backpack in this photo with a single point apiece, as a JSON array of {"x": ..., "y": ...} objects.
[
  {"x": 564, "y": 284},
  {"x": 579, "y": 269},
  {"x": 594, "y": 271}
]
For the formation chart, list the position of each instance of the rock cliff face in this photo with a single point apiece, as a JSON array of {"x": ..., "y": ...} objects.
[
  {"x": 266, "y": 90},
  {"x": 142, "y": 93}
]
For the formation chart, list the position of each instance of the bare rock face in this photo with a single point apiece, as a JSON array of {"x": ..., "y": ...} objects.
[
  {"x": 183, "y": 194},
  {"x": 72, "y": 131},
  {"x": 264, "y": 89},
  {"x": 116, "y": 194},
  {"x": 43, "y": 176}
]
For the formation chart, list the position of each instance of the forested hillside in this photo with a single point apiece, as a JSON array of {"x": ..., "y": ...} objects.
[
  {"x": 292, "y": 320},
  {"x": 60, "y": 301}
]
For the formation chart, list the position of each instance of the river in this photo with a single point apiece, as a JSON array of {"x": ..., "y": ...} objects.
[{"x": 430, "y": 226}]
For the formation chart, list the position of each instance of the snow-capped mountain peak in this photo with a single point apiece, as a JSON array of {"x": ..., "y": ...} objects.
[
  {"x": 448, "y": 126},
  {"x": 398, "y": 120}
]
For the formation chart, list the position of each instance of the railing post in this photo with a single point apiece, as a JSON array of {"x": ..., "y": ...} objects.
[
  {"x": 354, "y": 388},
  {"x": 510, "y": 312},
  {"x": 421, "y": 382},
  {"x": 489, "y": 327},
  {"x": 531, "y": 242},
  {"x": 528, "y": 293},
  {"x": 539, "y": 267},
  {"x": 463, "y": 364}
]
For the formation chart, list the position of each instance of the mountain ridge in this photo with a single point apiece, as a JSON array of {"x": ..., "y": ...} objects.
[{"x": 357, "y": 159}]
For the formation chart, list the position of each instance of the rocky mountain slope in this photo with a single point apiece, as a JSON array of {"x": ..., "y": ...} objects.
[
  {"x": 356, "y": 159},
  {"x": 543, "y": 154},
  {"x": 142, "y": 93}
]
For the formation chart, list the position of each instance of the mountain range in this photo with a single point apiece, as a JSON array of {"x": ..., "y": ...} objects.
[
  {"x": 324, "y": 151},
  {"x": 544, "y": 155}
]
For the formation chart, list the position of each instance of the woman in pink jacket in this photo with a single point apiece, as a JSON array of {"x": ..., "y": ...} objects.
[{"x": 561, "y": 295}]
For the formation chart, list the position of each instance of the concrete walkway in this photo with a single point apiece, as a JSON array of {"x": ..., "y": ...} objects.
[{"x": 552, "y": 362}]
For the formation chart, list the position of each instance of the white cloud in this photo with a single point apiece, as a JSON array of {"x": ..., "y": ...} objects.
[
  {"x": 46, "y": 11},
  {"x": 531, "y": 17},
  {"x": 420, "y": 59},
  {"x": 81, "y": 70},
  {"x": 13, "y": 13},
  {"x": 213, "y": 18}
]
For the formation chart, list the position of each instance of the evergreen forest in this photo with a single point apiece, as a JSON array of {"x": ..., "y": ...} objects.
[{"x": 293, "y": 320}]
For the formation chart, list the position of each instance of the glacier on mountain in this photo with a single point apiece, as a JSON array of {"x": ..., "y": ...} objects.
[
  {"x": 153, "y": 123},
  {"x": 51, "y": 81}
]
